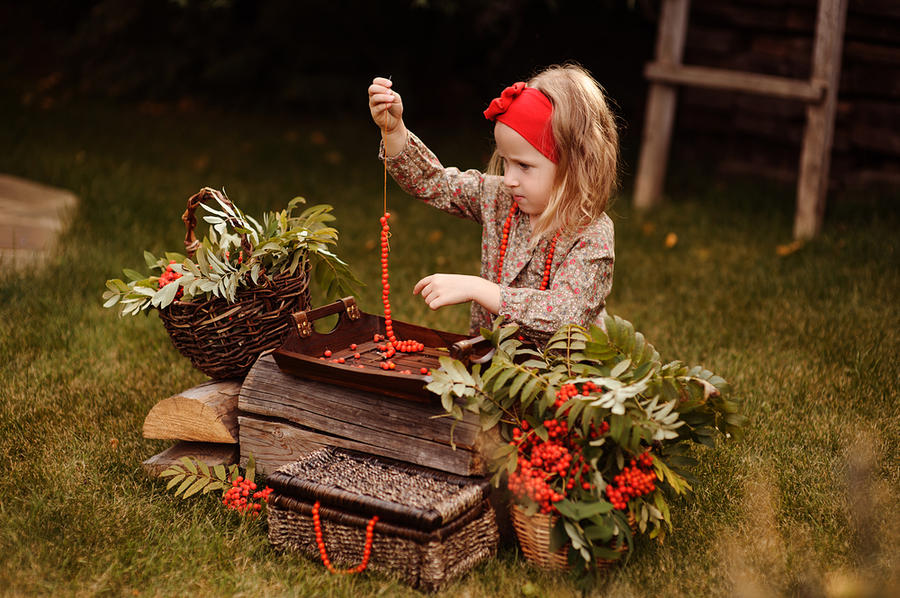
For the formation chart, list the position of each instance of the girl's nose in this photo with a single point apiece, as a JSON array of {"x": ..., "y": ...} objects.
[{"x": 509, "y": 180}]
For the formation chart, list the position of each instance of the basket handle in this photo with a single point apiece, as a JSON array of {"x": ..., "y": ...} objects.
[
  {"x": 304, "y": 319},
  {"x": 462, "y": 350},
  {"x": 191, "y": 244}
]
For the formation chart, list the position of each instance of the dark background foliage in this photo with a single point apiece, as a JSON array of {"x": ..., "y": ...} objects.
[{"x": 450, "y": 56}]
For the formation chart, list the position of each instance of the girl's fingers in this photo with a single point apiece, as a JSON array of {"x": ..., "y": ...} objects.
[
  {"x": 382, "y": 81},
  {"x": 421, "y": 285}
]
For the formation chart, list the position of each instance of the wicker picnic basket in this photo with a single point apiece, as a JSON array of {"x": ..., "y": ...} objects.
[
  {"x": 224, "y": 339},
  {"x": 533, "y": 533},
  {"x": 432, "y": 526}
]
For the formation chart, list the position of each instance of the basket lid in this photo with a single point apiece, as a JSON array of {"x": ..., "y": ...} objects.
[{"x": 405, "y": 494}]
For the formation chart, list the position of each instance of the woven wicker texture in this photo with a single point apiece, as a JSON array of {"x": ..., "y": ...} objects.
[
  {"x": 533, "y": 533},
  {"x": 224, "y": 339},
  {"x": 405, "y": 543},
  {"x": 404, "y": 493}
]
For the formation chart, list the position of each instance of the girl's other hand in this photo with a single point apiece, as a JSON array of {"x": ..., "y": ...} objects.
[
  {"x": 439, "y": 290},
  {"x": 385, "y": 105}
]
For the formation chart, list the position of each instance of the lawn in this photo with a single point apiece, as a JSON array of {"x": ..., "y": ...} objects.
[{"x": 804, "y": 505}]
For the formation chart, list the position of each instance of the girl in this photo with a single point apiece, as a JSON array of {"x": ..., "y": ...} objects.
[{"x": 547, "y": 243}]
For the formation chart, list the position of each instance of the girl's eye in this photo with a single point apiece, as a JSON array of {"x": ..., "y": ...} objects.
[{"x": 524, "y": 166}]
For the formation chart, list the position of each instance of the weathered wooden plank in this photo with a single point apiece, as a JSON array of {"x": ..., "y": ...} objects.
[
  {"x": 815, "y": 158},
  {"x": 204, "y": 413},
  {"x": 208, "y": 452},
  {"x": 348, "y": 412},
  {"x": 660, "y": 111},
  {"x": 275, "y": 442},
  {"x": 781, "y": 87}
]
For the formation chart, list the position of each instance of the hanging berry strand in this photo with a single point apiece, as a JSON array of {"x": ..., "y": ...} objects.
[{"x": 320, "y": 542}]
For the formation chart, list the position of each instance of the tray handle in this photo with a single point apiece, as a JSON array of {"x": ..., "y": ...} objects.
[
  {"x": 304, "y": 319},
  {"x": 463, "y": 350}
]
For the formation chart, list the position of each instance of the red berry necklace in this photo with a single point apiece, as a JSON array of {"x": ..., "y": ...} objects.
[
  {"x": 320, "y": 542},
  {"x": 504, "y": 241}
]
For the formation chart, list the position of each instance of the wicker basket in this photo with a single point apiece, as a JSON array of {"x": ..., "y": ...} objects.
[
  {"x": 533, "y": 533},
  {"x": 224, "y": 339},
  {"x": 432, "y": 527}
]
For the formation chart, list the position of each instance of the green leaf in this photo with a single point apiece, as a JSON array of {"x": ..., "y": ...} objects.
[
  {"x": 250, "y": 473},
  {"x": 219, "y": 471},
  {"x": 521, "y": 379},
  {"x": 174, "y": 470},
  {"x": 174, "y": 481},
  {"x": 198, "y": 485},
  {"x": 188, "y": 480},
  {"x": 189, "y": 464}
]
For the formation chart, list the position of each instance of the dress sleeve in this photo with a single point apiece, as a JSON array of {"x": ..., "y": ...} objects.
[
  {"x": 418, "y": 172},
  {"x": 577, "y": 290}
]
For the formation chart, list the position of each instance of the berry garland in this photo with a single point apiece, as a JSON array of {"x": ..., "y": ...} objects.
[
  {"x": 504, "y": 242},
  {"x": 320, "y": 542}
]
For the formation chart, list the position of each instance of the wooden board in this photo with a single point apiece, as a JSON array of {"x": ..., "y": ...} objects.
[
  {"x": 291, "y": 416},
  {"x": 208, "y": 452}
]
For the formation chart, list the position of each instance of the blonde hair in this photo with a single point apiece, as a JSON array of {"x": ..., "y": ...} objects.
[{"x": 587, "y": 148}]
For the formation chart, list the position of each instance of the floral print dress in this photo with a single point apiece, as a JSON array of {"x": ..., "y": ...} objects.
[{"x": 582, "y": 267}]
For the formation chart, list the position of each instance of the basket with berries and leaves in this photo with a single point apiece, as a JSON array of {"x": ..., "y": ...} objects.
[
  {"x": 231, "y": 297},
  {"x": 596, "y": 435}
]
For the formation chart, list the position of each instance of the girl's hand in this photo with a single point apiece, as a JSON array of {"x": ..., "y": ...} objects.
[
  {"x": 385, "y": 105},
  {"x": 439, "y": 290}
]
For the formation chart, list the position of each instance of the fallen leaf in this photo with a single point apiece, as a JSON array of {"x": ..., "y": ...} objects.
[
  {"x": 671, "y": 240},
  {"x": 789, "y": 248}
]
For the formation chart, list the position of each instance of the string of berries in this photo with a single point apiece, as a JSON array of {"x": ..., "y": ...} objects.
[
  {"x": 385, "y": 284},
  {"x": 239, "y": 498},
  {"x": 394, "y": 345},
  {"x": 320, "y": 542},
  {"x": 635, "y": 480},
  {"x": 168, "y": 276}
]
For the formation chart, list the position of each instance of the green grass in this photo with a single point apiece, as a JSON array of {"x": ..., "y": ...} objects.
[{"x": 805, "y": 505}]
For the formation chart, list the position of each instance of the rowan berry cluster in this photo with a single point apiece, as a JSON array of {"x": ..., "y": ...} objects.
[
  {"x": 320, "y": 542},
  {"x": 168, "y": 276},
  {"x": 567, "y": 391},
  {"x": 239, "y": 498},
  {"x": 636, "y": 480},
  {"x": 547, "y": 469}
]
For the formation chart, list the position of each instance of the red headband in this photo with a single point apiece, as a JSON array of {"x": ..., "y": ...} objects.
[{"x": 528, "y": 112}]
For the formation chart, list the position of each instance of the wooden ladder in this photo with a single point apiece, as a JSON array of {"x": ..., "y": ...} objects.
[{"x": 819, "y": 93}]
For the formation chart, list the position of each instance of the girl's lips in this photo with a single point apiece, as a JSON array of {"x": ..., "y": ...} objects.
[{"x": 518, "y": 198}]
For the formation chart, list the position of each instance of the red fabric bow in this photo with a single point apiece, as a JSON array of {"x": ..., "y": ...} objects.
[
  {"x": 500, "y": 105},
  {"x": 529, "y": 113}
]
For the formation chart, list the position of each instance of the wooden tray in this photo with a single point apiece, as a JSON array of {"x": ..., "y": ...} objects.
[{"x": 302, "y": 353}]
